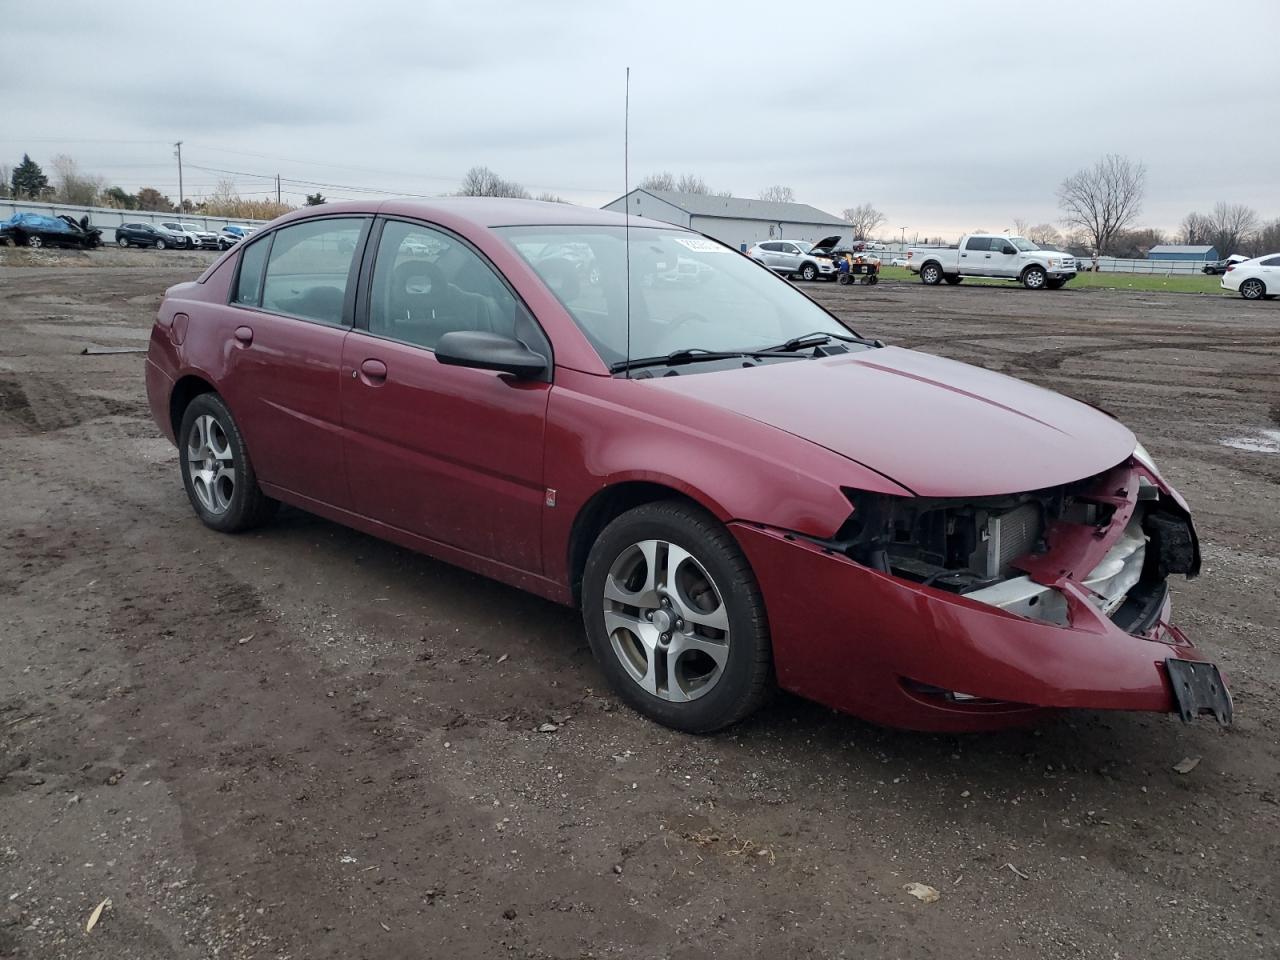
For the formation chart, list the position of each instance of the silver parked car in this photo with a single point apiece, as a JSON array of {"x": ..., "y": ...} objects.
[
  {"x": 195, "y": 236},
  {"x": 792, "y": 258}
]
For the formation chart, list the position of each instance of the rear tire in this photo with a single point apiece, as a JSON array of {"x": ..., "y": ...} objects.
[
  {"x": 1034, "y": 278},
  {"x": 931, "y": 274},
  {"x": 216, "y": 469},
  {"x": 673, "y": 559},
  {"x": 1253, "y": 289},
  {"x": 35, "y": 243}
]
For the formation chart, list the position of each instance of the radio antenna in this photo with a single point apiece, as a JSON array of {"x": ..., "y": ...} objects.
[{"x": 626, "y": 205}]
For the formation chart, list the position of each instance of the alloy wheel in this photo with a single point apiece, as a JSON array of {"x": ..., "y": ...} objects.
[
  {"x": 35, "y": 242},
  {"x": 211, "y": 464},
  {"x": 666, "y": 621},
  {"x": 1252, "y": 289}
]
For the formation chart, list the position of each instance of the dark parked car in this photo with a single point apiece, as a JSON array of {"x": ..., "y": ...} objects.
[
  {"x": 36, "y": 230},
  {"x": 149, "y": 235},
  {"x": 735, "y": 488},
  {"x": 1219, "y": 267}
]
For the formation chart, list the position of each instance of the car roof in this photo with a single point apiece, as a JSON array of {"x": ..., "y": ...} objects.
[{"x": 483, "y": 212}]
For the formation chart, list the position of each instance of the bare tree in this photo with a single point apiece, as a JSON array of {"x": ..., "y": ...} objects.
[
  {"x": 659, "y": 181},
  {"x": 864, "y": 219},
  {"x": 1232, "y": 223},
  {"x": 1043, "y": 235},
  {"x": 1135, "y": 244},
  {"x": 692, "y": 183},
  {"x": 1021, "y": 227},
  {"x": 480, "y": 181},
  {"x": 778, "y": 194},
  {"x": 1265, "y": 240},
  {"x": 685, "y": 183},
  {"x": 548, "y": 197},
  {"x": 1195, "y": 230},
  {"x": 1103, "y": 200},
  {"x": 6, "y": 172},
  {"x": 72, "y": 186}
]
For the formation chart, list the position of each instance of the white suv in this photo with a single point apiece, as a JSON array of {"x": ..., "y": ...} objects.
[{"x": 792, "y": 258}]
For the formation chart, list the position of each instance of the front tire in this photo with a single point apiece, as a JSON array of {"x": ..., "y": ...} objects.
[
  {"x": 122, "y": 243},
  {"x": 931, "y": 274},
  {"x": 216, "y": 469},
  {"x": 808, "y": 272},
  {"x": 1056, "y": 284},
  {"x": 1034, "y": 278},
  {"x": 160, "y": 245},
  {"x": 674, "y": 616},
  {"x": 1253, "y": 289}
]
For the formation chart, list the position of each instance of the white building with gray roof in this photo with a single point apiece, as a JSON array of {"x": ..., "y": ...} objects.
[{"x": 732, "y": 220}]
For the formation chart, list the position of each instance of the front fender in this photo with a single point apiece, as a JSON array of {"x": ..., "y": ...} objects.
[{"x": 604, "y": 431}]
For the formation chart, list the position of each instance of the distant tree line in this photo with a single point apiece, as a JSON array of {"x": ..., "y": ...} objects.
[{"x": 28, "y": 181}]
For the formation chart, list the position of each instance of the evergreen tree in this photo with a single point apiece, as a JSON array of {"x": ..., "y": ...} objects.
[{"x": 28, "y": 179}]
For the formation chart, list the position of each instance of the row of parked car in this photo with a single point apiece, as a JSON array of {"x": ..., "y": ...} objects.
[
  {"x": 38, "y": 230},
  {"x": 179, "y": 235}
]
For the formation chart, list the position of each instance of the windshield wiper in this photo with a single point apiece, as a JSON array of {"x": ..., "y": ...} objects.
[
  {"x": 694, "y": 355},
  {"x": 819, "y": 337}
]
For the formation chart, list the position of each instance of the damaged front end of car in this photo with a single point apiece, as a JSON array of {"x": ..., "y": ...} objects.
[{"x": 982, "y": 610}]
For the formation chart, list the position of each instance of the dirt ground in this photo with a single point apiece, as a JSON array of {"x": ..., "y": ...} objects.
[{"x": 306, "y": 743}]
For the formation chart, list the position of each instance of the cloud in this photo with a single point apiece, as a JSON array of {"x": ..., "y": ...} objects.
[{"x": 942, "y": 118}]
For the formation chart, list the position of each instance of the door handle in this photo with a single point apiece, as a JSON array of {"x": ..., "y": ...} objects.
[
  {"x": 988, "y": 256},
  {"x": 244, "y": 335},
  {"x": 372, "y": 372}
]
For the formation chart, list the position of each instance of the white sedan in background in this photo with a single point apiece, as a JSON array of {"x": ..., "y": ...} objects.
[{"x": 1254, "y": 279}]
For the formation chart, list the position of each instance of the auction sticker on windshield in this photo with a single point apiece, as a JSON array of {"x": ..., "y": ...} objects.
[{"x": 701, "y": 245}]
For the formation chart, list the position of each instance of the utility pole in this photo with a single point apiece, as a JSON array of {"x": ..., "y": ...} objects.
[
  {"x": 178, "y": 154},
  {"x": 277, "y": 189}
]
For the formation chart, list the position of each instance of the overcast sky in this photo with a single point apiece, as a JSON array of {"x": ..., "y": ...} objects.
[{"x": 949, "y": 117}]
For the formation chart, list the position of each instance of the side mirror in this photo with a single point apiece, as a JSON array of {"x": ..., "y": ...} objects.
[
  {"x": 490, "y": 351},
  {"x": 1009, "y": 249}
]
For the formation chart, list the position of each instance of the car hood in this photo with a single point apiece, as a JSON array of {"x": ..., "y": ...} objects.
[
  {"x": 825, "y": 245},
  {"x": 935, "y": 426}
]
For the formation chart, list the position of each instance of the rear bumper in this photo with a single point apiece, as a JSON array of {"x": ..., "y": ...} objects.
[
  {"x": 889, "y": 650},
  {"x": 159, "y": 390}
]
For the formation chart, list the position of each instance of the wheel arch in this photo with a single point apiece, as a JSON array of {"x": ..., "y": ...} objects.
[
  {"x": 185, "y": 389},
  {"x": 609, "y": 503}
]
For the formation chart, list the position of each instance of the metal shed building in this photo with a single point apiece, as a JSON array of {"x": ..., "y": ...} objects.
[
  {"x": 1177, "y": 251},
  {"x": 732, "y": 220}
]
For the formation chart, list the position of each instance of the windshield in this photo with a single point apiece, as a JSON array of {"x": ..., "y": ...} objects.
[
  {"x": 687, "y": 292},
  {"x": 190, "y": 226},
  {"x": 804, "y": 245},
  {"x": 1023, "y": 244}
]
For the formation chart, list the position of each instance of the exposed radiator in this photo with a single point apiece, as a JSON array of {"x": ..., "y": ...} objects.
[{"x": 1006, "y": 537}]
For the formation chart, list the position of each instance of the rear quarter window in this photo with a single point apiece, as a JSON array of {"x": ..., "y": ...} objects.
[{"x": 249, "y": 279}]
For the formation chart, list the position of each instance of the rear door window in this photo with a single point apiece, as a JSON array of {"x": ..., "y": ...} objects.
[
  {"x": 1271, "y": 262},
  {"x": 979, "y": 243},
  {"x": 310, "y": 267}
]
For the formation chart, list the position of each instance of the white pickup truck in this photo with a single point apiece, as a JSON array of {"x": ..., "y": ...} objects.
[{"x": 993, "y": 255}]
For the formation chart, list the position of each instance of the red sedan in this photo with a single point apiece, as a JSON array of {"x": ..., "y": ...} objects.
[{"x": 738, "y": 490}]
